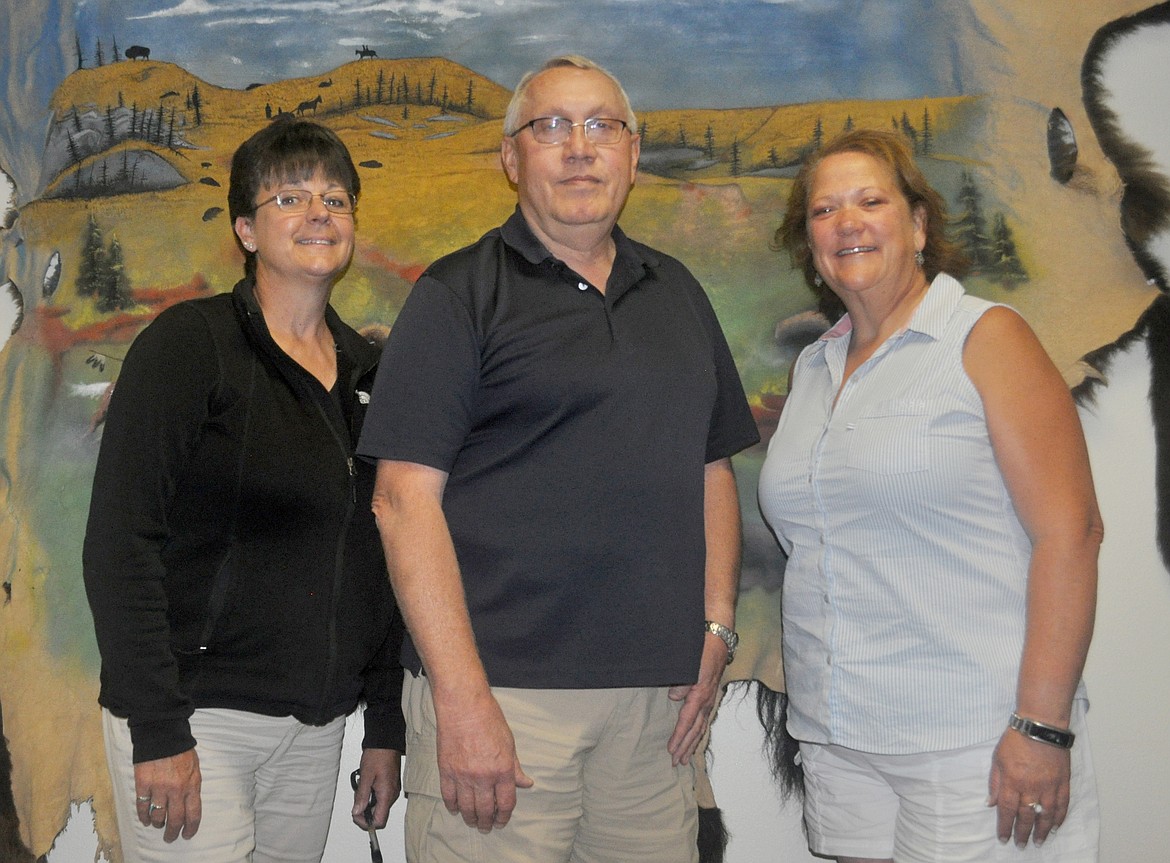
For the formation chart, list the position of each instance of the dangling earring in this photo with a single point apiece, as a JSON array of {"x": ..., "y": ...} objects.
[
  {"x": 817, "y": 280},
  {"x": 919, "y": 258}
]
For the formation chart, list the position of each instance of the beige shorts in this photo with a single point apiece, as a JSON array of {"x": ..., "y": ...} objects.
[{"x": 604, "y": 790}]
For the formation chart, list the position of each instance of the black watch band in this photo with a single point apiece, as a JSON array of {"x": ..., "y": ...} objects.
[{"x": 1061, "y": 738}]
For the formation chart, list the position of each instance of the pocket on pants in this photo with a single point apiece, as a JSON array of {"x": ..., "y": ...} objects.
[{"x": 421, "y": 772}]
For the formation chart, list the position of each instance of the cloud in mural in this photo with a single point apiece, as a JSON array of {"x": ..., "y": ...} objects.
[
  {"x": 275, "y": 11},
  {"x": 187, "y": 7}
]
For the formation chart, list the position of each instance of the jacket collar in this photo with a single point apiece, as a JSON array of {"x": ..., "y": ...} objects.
[{"x": 362, "y": 354}]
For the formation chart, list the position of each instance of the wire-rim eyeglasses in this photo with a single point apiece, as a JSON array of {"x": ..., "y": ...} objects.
[
  {"x": 557, "y": 130},
  {"x": 296, "y": 201}
]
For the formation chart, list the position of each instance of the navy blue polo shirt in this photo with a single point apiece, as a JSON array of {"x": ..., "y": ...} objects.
[{"x": 575, "y": 427}]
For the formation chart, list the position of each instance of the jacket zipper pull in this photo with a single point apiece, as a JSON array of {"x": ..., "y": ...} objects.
[{"x": 352, "y": 478}]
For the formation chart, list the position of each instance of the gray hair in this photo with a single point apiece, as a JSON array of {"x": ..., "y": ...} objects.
[{"x": 512, "y": 117}]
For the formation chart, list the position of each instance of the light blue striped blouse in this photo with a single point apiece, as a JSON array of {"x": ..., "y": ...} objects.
[{"x": 904, "y": 596}]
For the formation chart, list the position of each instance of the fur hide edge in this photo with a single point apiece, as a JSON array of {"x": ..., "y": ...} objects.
[
  {"x": 713, "y": 835},
  {"x": 12, "y": 849},
  {"x": 781, "y": 749},
  {"x": 1098, "y": 361},
  {"x": 1154, "y": 327},
  {"x": 1145, "y": 204},
  {"x": 1157, "y": 321}
]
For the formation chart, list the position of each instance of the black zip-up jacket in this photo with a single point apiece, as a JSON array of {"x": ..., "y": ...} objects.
[{"x": 231, "y": 558}]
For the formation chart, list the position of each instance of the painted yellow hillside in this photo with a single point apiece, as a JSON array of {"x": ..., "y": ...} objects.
[
  {"x": 149, "y": 84},
  {"x": 778, "y": 136},
  {"x": 792, "y": 127}
]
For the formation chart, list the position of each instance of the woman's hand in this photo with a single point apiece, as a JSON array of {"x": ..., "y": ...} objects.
[
  {"x": 381, "y": 775},
  {"x": 167, "y": 794},
  {"x": 1025, "y": 773}
]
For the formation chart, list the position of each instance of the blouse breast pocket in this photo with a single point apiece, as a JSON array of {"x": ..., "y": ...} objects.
[{"x": 891, "y": 438}]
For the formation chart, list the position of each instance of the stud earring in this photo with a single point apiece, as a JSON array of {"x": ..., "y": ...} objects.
[
  {"x": 919, "y": 258},
  {"x": 818, "y": 281}
]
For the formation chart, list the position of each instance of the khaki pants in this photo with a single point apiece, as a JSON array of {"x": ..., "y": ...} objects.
[
  {"x": 268, "y": 788},
  {"x": 605, "y": 790}
]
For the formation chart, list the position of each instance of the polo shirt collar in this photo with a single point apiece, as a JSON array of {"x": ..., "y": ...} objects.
[
  {"x": 629, "y": 265},
  {"x": 519, "y": 236}
]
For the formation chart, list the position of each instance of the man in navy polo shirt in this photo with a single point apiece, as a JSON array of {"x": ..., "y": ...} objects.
[{"x": 553, "y": 422}]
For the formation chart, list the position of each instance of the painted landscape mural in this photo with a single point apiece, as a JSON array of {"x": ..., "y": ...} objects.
[{"x": 114, "y": 207}]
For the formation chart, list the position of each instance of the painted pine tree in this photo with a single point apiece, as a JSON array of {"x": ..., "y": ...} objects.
[
  {"x": 1006, "y": 264},
  {"x": 971, "y": 224}
]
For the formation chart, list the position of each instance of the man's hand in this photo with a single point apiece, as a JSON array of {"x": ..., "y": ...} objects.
[
  {"x": 478, "y": 768},
  {"x": 698, "y": 701},
  {"x": 381, "y": 771},
  {"x": 167, "y": 794}
]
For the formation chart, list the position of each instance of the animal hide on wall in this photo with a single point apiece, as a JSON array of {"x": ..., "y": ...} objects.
[
  {"x": 118, "y": 156},
  {"x": 1145, "y": 222}
]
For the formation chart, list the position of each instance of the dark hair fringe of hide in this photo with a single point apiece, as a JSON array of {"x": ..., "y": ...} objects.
[
  {"x": 713, "y": 835},
  {"x": 12, "y": 849},
  {"x": 1157, "y": 323},
  {"x": 1146, "y": 199},
  {"x": 1100, "y": 359},
  {"x": 781, "y": 749}
]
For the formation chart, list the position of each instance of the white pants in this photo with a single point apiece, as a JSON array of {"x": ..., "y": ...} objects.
[{"x": 268, "y": 787}]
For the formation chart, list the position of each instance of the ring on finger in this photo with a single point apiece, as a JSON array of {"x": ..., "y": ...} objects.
[
  {"x": 1036, "y": 807},
  {"x": 154, "y": 807},
  {"x": 145, "y": 799}
]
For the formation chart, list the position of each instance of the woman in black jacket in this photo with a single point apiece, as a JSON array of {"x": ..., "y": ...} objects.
[{"x": 231, "y": 560}]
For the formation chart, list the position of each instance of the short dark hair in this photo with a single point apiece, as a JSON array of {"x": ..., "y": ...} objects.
[
  {"x": 285, "y": 150},
  {"x": 892, "y": 150}
]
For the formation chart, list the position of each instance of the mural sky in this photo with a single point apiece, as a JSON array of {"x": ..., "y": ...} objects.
[{"x": 669, "y": 53}]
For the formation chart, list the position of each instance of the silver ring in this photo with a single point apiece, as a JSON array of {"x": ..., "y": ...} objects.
[
  {"x": 1037, "y": 808},
  {"x": 143, "y": 799},
  {"x": 155, "y": 806}
]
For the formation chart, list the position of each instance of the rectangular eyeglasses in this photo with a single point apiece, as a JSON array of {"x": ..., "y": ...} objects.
[
  {"x": 556, "y": 130},
  {"x": 295, "y": 201}
]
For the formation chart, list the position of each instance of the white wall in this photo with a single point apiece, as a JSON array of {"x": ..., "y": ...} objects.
[{"x": 1129, "y": 687}]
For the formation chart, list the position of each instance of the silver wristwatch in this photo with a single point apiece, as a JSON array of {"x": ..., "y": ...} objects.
[{"x": 731, "y": 639}]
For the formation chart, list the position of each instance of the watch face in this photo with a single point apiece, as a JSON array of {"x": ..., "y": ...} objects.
[{"x": 1048, "y": 735}]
